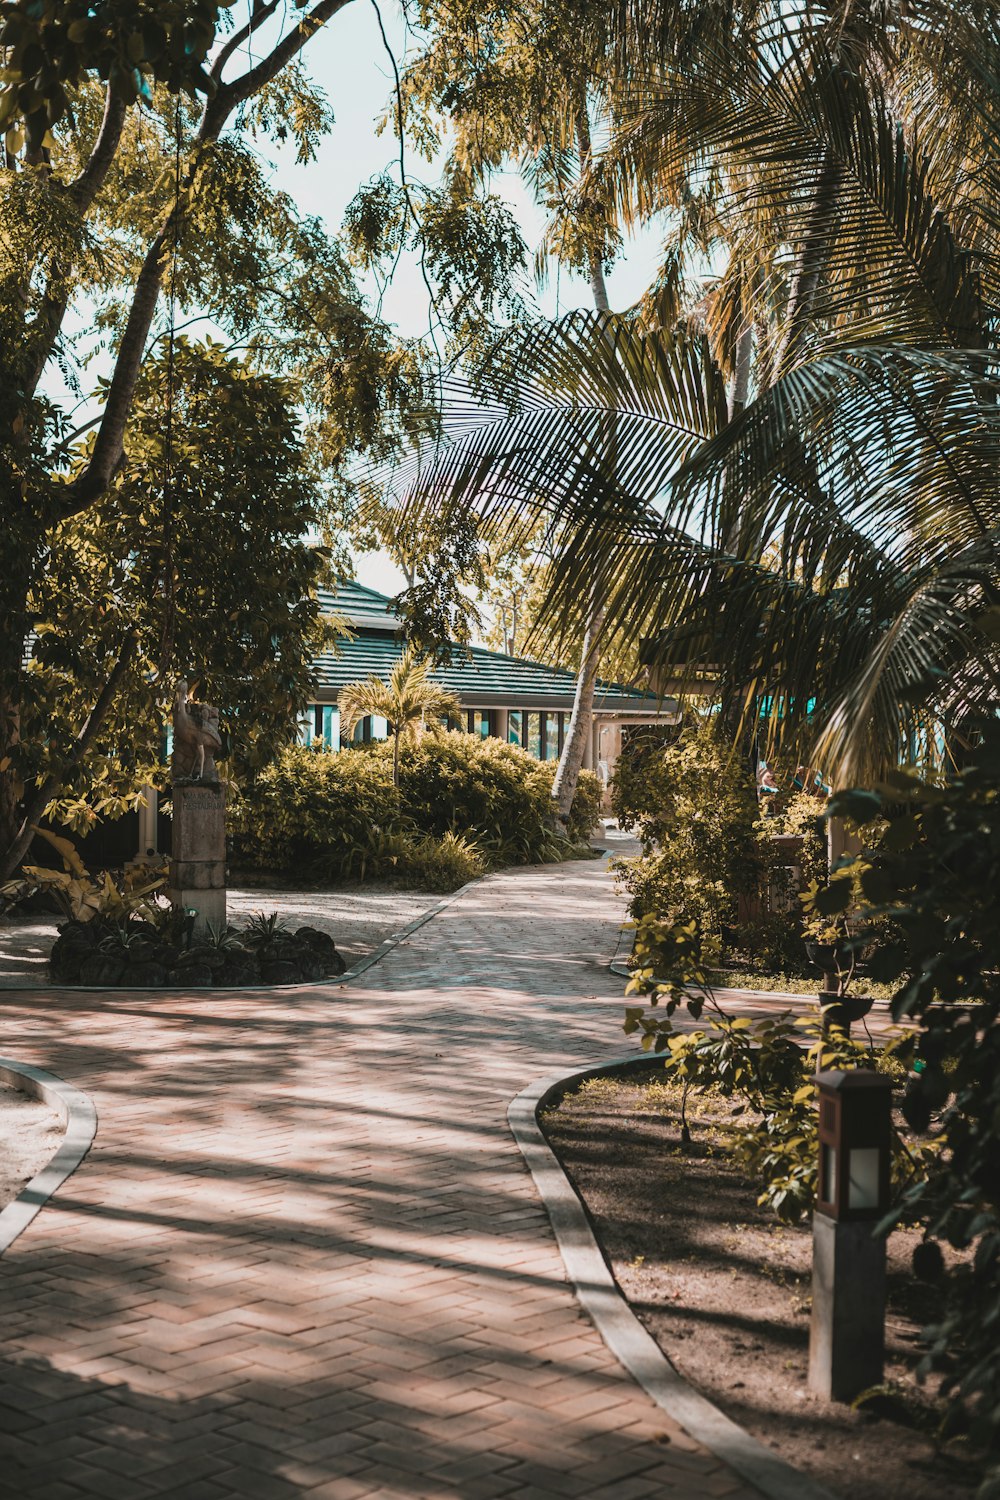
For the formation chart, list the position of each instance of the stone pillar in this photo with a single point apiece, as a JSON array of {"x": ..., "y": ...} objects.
[
  {"x": 502, "y": 722},
  {"x": 198, "y": 864}
]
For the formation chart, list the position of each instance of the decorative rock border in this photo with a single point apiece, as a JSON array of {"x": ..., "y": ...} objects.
[
  {"x": 598, "y": 1293},
  {"x": 80, "y": 1116}
]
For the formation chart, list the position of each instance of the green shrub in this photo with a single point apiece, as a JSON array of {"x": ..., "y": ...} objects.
[
  {"x": 337, "y": 814},
  {"x": 694, "y": 807},
  {"x": 935, "y": 878},
  {"x": 493, "y": 793},
  {"x": 805, "y": 816},
  {"x": 440, "y": 864},
  {"x": 636, "y": 788},
  {"x": 463, "y": 805},
  {"x": 767, "y": 1067}
]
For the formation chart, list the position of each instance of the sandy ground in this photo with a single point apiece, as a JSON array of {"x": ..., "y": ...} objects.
[
  {"x": 725, "y": 1290},
  {"x": 357, "y": 919},
  {"x": 30, "y": 1132}
]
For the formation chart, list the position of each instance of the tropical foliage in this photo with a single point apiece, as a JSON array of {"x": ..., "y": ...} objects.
[
  {"x": 936, "y": 877},
  {"x": 136, "y": 197},
  {"x": 781, "y": 472},
  {"x": 461, "y": 804},
  {"x": 409, "y": 702},
  {"x": 206, "y": 569},
  {"x": 709, "y": 863}
]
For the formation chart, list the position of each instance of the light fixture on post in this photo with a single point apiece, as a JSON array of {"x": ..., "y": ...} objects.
[{"x": 846, "y": 1337}]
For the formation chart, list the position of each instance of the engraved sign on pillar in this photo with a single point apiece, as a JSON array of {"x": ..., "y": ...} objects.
[{"x": 198, "y": 863}]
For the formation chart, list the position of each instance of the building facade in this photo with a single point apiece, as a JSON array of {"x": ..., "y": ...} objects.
[{"x": 506, "y": 697}]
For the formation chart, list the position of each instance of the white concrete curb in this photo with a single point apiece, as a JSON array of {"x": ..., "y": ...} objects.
[
  {"x": 80, "y": 1116},
  {"x": 598, "y": 1293}
]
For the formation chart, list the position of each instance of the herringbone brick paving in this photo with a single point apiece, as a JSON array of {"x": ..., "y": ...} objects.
[{"x": 304, "y": 1256}]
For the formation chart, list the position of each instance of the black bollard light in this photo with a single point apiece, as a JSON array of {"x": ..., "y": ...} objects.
[{"x": 847, "y": 1332}]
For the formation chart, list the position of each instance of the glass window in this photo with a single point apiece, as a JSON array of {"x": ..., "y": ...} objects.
[
  {"x": 479, "y": 722},
  {"x": 533, "y": 743},
  {"x": 551, "y": 736},
  {"x": 379, "y": 728},
  {"x": 331, "y": 727},
  {"x": 515, "y": 727}
]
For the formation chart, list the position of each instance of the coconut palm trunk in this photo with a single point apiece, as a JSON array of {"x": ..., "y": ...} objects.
[
  {"x": 581, "y": 720},
  {"x": 575, "y": 745}
]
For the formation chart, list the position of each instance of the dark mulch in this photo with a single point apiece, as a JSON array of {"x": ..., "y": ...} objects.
[{"x": 725, "y": 1291}]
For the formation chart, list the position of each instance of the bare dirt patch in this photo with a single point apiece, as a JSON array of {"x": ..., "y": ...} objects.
[
  {"x": 30, "y": 1133},
  {"x": 725, "y": 1291}
]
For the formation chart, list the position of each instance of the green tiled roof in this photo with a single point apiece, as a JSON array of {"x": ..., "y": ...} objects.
[
  {"x": 488, "y": 680},
  {"x": 361, "y": 607}
]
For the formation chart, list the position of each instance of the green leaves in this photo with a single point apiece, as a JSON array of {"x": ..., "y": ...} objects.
[
  {"x": 934, "y": 881},
  {"x": 53, "y": 47},
  {"x": 857, "y": 804}
]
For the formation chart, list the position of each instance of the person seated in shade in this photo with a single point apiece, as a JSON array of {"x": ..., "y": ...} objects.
[
  {"x": 806, "y": 780},
  {"x": 767, "y": 788}
]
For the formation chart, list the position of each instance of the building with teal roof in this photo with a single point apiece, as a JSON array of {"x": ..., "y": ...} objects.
[{"x": 508, "y": 697}]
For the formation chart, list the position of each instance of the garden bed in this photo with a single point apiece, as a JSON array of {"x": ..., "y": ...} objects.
[
  {"x": 358, "y": 918},
  {"x": 724, "y": 1289},
  {"x": 30, "y": 1134}
]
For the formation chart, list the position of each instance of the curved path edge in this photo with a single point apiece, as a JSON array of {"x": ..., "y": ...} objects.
[
  {"x": 332, "y": 981},
  {"x": 80, "y": 1117},
  {"x": 393, "y": 941},
  {"x": 598, "y": 1293}
]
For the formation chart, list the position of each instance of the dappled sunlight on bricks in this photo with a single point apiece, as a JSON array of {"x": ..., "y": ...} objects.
[{"x": 304, "y": 1256}]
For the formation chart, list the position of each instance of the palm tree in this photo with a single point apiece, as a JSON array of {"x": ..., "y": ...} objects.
[
  {"x": 408, "y": 702},
  {"x": 831, "y": 543}
]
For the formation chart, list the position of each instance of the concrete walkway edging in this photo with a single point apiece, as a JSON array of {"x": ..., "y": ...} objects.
[
  {"x": 393, "y": 941},
  {"x": 80, "y": 1117},
  {"x": 331, "y": 981},
  {"x": 598, "y": 1293}
]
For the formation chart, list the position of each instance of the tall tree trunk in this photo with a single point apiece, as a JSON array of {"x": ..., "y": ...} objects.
[
  {"x": 10, "y": 739},
  {"x": 580, "y": 725},
  {"x": 582, "y": 718},
  {"x": 17, "y": 557},
  {"x": 740, "y": 392}
]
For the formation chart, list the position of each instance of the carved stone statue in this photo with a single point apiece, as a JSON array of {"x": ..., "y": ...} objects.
[{"x": 197, "y": 740}]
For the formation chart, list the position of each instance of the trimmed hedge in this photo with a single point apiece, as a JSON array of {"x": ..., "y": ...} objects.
[{"x": 337, "y": 814}]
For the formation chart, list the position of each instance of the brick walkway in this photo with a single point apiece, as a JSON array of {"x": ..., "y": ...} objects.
[{"x": 304, "y": 1256}]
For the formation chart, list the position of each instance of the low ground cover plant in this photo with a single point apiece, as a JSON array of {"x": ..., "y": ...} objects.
[{"x": 158, "y": 950}]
